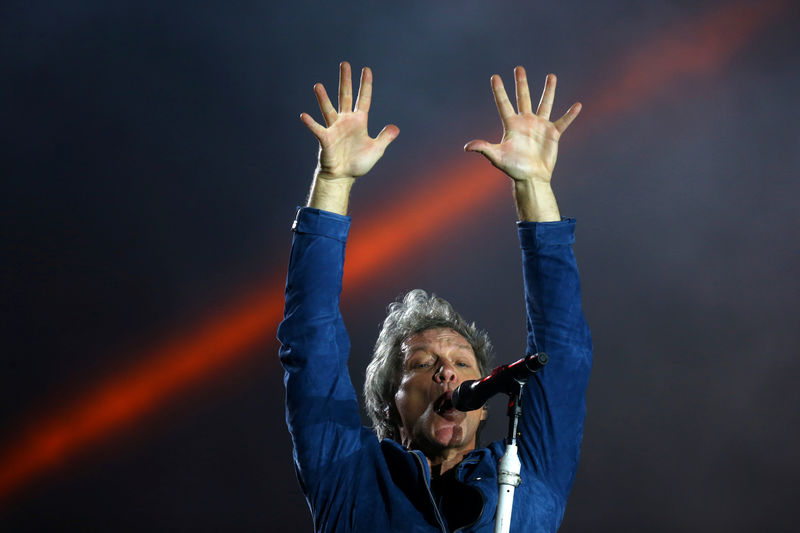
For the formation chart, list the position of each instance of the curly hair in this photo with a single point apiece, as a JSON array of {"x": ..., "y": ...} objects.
[{"x": 413, "y": 313}]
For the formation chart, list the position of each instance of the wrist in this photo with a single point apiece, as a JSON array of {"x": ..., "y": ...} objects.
[
  {"x": 330, "y": 177},
  {"x": 330, "y": 193}
]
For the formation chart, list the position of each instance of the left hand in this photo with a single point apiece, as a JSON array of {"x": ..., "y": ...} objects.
[{"x": 528, "y": 150}]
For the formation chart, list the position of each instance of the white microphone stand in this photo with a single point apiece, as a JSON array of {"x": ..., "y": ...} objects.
[{"x": 508, "y": 477}]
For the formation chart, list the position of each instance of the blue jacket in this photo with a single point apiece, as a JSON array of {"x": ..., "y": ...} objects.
[{"x": 352, "y": 481}]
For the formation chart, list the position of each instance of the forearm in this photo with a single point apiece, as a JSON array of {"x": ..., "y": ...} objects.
[
  {"x": 555, "y": 404},
  {"x": 552, "y": 288},
  {"x": 312, "y": 323},
  {"x": 535, "y": 201}
]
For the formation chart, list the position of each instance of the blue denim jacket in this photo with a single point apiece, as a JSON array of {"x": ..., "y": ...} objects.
[{"x": 353, "y": 481}]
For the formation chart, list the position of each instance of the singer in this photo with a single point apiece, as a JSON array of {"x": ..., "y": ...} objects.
[{"x": 419, "y": 468}]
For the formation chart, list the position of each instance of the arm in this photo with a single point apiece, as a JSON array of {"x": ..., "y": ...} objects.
[
  {"x": 554, "y": 403},
  {"x": 554, "y": 406},
  {"x": 321, "y": 404}
]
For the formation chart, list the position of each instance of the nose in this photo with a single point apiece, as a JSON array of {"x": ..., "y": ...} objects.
[{"x": 445, "y": 374}]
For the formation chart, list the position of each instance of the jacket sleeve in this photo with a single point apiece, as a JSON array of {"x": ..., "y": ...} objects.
[
  {"x": 554, "y": 403},
  {"x": 321, "y": 404}
]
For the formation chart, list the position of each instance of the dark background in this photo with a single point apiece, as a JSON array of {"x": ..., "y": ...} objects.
[{"x": 152, "y": 159}]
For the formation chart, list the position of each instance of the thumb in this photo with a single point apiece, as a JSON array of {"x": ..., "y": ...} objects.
[
  {"x": 313, "y": 125},
  {"x": 484, "y": 147},
  {"x": 387, "y": 135}
]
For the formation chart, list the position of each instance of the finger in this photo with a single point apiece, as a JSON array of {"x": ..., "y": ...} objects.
[
  {"x": 325, "y": 105},
  {"x": 501, "y": 99},
  {"x": 563, "y": 123},
  {"x": 387, "y": 135},
  {"x": 523, "y": 94},
  {"x": 489, "y": 150},
  {"x": 345, "y": 88},
  {"x": 364, "y": 90},
  {"x": 476, "y": 145},
  {"x": 313, "y": 125},
  {"x": 548, "y": 94}
]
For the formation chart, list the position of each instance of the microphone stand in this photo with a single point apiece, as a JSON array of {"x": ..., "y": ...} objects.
[{"x": 508, "y": 478}]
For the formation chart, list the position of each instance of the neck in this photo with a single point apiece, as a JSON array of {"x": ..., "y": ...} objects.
[
  {"x": 440, "y": 460},
  {"x": 443, "y": 460}
]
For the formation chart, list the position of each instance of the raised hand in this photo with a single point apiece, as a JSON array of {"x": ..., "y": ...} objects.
[
  {"x": 530, "y": 141},
  {"x": 529, "y": 147},
  {"x": 346, "y": 149}
]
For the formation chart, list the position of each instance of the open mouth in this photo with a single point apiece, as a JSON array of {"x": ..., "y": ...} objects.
[{"x": 444, "y": 404}]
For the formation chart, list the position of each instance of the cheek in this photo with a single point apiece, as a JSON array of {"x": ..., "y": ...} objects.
[
  {"x": 477, "y": 416},
  {"x": 408, "y": 400},
  {"x": 471, "y": 373},
  {"x": 401, "y": 399}
]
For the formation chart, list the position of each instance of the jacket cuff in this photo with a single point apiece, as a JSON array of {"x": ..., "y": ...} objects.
[
  {"x": 319, "y": 222},
  {"x": 537, "y": 234}
]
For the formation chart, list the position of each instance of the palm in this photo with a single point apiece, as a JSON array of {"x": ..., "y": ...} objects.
[
  {"x": 346, "y": 149},
  {"x": 529, "y": 146}
]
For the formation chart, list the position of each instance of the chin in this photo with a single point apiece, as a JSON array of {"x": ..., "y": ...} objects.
[{"x": 449, "y": 437}]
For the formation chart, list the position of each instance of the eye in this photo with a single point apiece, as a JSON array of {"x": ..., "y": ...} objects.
[
  {"x": 463, "y": 364},
  {"x": 421, "y": 363}
]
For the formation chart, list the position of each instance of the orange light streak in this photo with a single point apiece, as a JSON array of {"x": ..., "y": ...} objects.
[
  {"x": 687, "y": 48},
  {"x": 449, "y": 193},
  {"x": 134, "y": 392},
  {"x": 382, "y": 238}
]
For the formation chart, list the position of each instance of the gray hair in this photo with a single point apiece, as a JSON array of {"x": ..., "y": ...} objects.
[{"x": 414, "y": 313}]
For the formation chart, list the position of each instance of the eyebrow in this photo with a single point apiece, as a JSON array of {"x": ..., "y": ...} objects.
[{"x": 410, "y": 351}]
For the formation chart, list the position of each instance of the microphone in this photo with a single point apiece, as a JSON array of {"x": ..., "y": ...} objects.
[{"x": 472, "y": 394}]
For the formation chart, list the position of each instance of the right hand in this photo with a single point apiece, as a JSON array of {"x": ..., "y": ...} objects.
[{"x": 346, "y": 149}]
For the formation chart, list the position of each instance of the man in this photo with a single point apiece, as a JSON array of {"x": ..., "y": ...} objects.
[{"x": 425, "y": 473}]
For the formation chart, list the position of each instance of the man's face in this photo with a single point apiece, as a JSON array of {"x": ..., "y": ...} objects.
[{"x": 435, "y": 362}]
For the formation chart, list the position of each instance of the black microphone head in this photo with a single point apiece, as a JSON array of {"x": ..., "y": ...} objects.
[{"x": 463, "y": 398}]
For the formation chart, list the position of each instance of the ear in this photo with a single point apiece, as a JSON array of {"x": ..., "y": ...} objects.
[
  {"x": 484, "y": 413},
  {"x": 390, "y": 412},
  {"x": 393, "y": 416}
]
